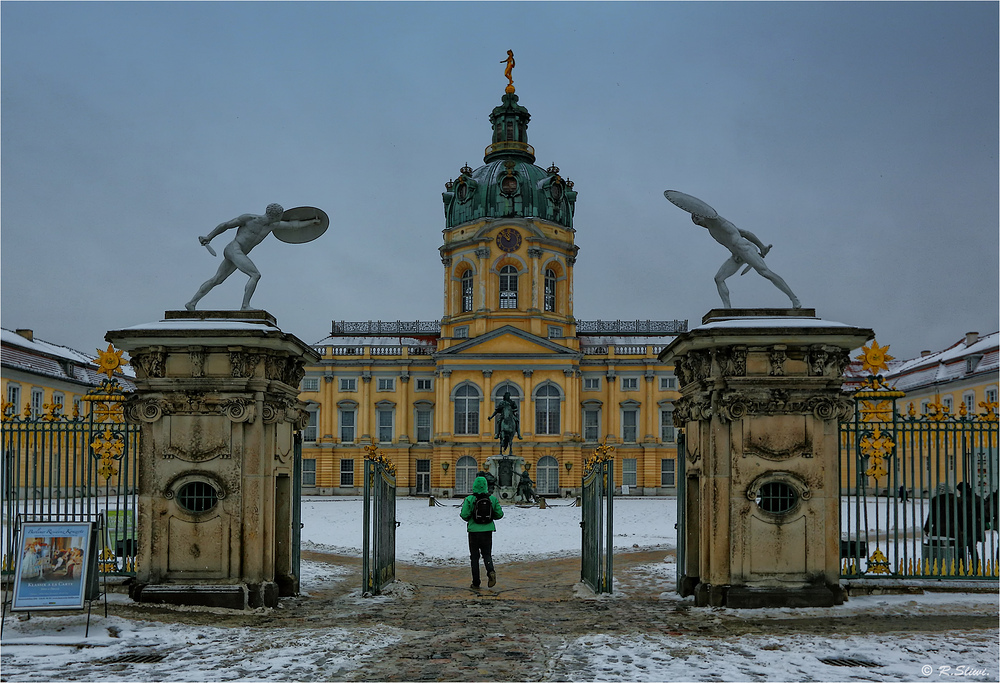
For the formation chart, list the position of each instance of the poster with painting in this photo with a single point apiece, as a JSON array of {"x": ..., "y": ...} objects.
[{"x": 56, "y": 566}]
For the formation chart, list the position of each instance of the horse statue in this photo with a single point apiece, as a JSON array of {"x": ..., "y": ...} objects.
[
  {"x": 508, "y": 423},
  {"x": 963, "y": 518}
]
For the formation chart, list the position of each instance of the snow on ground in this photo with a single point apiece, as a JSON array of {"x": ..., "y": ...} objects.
[
  {"x": 44, "y": 647},
  {"x": 437, "y": 536}
]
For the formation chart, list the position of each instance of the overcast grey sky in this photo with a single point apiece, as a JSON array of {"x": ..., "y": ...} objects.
[{"x": 860, "y": 139}]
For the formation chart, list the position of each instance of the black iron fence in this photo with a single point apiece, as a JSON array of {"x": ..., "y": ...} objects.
[
  {"x": 920, "y": 491},
  {"x": 72, "y": 468}
]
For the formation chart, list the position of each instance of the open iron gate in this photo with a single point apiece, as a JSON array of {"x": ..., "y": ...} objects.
[
  {"x": 379, "y": 544},
  {"x": 919, "y": 490},
  {"x": 598, "y": 513}
]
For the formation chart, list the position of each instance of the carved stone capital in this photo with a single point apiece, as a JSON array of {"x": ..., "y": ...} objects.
[
  {"x": 239, "y": 409},
  {"x": 483, "y": 252},
  {"x": 144, "y": 409},
  {"x": 732, "y": 360}
]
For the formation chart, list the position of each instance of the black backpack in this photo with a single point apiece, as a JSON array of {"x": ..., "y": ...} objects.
[{"x": 482, "y": 509}]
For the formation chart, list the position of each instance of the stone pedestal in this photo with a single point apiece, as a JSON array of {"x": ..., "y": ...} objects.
[
  {"x": 507, "y": 469},
  {"x": 761, "y": 400},
  {"x": 217, "y": 401}
]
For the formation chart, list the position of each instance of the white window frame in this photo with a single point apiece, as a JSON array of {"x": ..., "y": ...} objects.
[
  {"x": 347, "y": 474},
  {"x": 625, "y": 435},
  {"x": 595, "y": 436},
  {"x": 630, "y": 471},
  {"x": 424, "y": 384},
  {"x": 591, "y": 383},
  {"x": 969, "y": 399},
  {"x": 347, "y": 384},
  {"x": 990, "y": 395},
  {"x": 630, "y": 383},
  {"x": 508, "y": 294},
  {"x": 310, "y": 384},
  {"x": 467, "y": 399},
  {"x": 313, "y": 425},
  {"x": 555, "y": 332},
  {"x": 668, "y": 473},
  {"x": 948, "y": 403},
  {"x": 385, "y": 384},
  {"x": 543, "y": 406},
  {"x": 385, "y": 421},
  {"x": 668, "y": 383},
  {"x": 353, "y": 412},
  {"x": 549, "y": 291},
  {"x": 308, "y": 472},
  {"x": 467, "y": 286},
  {"x": 429, "y": 427},
  {"x": 37, "y": 402},
  {"x": 665, "y": 436},
  {"x": 14, "y": 396}
]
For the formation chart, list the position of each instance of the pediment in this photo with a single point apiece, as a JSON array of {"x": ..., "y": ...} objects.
[{"x": 508, "y": 341}]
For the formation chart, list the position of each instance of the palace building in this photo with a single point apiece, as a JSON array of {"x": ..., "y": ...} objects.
[{"x": 424, "y": 391}]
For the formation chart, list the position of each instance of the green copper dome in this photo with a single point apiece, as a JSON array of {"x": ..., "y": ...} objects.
[{"x": 509, "y": 185}]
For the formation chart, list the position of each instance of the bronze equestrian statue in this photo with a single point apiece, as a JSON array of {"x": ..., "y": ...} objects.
[{"x": 508, "y": 423}]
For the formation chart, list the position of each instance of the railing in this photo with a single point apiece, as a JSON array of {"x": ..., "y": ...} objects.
[
  {"x": 71, "y": 469},
  {"x": 510, "y": 146},
  {"x": 630, "y": 350},
  {"x": 921, "y": 492},
  {"x": 389, "y": 328},
  {"x": 650, "y": 327},
  {"x": 386, "y": 350},
  {"x": 594, "y": 350}
]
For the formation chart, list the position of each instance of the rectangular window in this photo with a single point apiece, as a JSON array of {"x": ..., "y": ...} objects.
[
  {"x": 629, "y": 472},
  {"x": 924, "y": 407},
  {"x": 667, "y": 425},
  {"x": 667, "y": 476},
  {"x": 384, "y": 425},
  {"x": 424, "y": 384},
  {"x": 58, "y": 400},
  {"x": 668, "y": 383},
  {"x": 347, "y": 426},
  {"x": 555, "y": 332},
  {"x": 630, "y": 383},
  {"x": 37, "y": 400},
  {"x": 348, "y": 383},
  {"x": 77, "y": 407},
  {"x": 386, "y": 384},
  {"x": 423, "y": 426},
  {"x": 969, "y": 400},
  {"x": 591, "y": 425},
  {"x": 312, "y": 429},
  {"x": 991, "y": 395},
  {"x": 591, "y": 383},
  {"x": 14, "y": 397},
  {"x": 310, "y": 384},
  {"x": 630, "y": 424},
  {"x": 308, "y": 472},
  {"x": 347, "y": 473},
  {"x": 462, "y": 332},
  {"x": 947, "y": 404}
]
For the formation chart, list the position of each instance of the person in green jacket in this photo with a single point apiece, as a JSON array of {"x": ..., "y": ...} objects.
[{"x": 481, "y": 534}]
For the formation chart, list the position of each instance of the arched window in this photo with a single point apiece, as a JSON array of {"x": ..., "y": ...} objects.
[
  {"x": 547, "y": 402},
  {"x": 547, "y": 474},
  {"x": 515, "y": 392},
  {"x": 467, "y": 409},
  {"x": 465, "y": 473},
  {"x": 550, "y": 289},
  {"x": 508, "y": 287},
  {"x": 467, "y": 291}
]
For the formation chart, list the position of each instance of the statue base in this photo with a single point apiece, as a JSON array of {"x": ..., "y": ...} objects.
[{"x": 507, "y": 469}]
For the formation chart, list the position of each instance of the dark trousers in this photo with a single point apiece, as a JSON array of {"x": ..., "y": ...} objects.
[{"x": 480, "y": 542}]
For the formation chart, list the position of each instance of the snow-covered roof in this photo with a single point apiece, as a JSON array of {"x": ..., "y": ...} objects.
[
  {"x": 948, "y": 364},
  {"x": 377, "y": 341},
  {"x": 50, "y": 360}
]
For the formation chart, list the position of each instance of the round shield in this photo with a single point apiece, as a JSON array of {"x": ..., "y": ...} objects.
[
  {"x": 690, "y": 204},
  {"x": 304, "y": 234}
]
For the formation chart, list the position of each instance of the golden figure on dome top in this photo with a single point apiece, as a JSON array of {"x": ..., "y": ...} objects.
[{"x": 509, "y": 71}]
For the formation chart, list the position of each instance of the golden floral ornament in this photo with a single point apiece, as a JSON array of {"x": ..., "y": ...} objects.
[
  {"x": 373, "y": 453},
  {"x": 600, "y": 454},
  {"x": 874, "y": 358},
  {"x": 878, "y": 563},
  {"x": 110, "y": 361},
  {"x": 877, "y": 446},
  {"x": 990, "y": 411},
  {"x": 876, "y": 411}
]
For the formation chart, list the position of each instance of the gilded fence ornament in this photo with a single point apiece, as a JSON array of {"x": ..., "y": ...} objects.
[
  {"x": 373, "y": 453},
  {"x": 110, "y": 361},
  {"x": 878, "y": 447},
  {"x": 600, "y": 454}
]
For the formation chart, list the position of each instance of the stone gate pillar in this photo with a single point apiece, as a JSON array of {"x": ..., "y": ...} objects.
[
  {"x": 760, "y": 403},
  {"x": 217, "y": 402}
]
